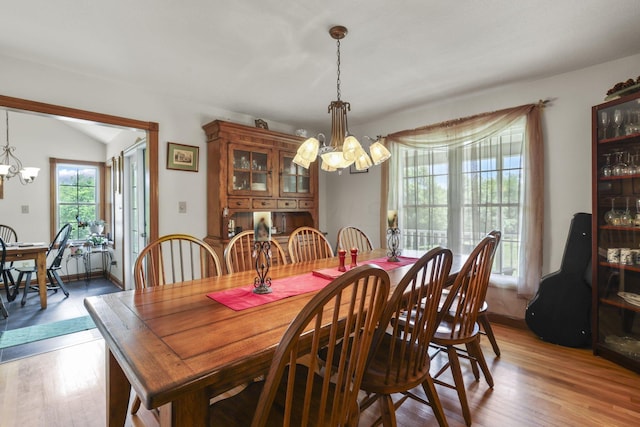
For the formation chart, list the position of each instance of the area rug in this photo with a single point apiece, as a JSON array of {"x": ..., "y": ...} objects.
[{"x": 48, "y": 330}]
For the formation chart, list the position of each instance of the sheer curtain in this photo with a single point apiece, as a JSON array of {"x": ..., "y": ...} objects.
[{"x": 461, "y": 134}]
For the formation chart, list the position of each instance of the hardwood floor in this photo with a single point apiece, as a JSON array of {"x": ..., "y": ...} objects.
[{"x": 536, "y": 384}]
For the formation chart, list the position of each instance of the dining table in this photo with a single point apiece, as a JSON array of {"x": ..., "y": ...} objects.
[
  {"x": 38, "y": 253},
  {"x": 178, "y": 345}
]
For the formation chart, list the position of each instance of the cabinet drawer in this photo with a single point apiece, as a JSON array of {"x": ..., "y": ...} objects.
[
  {"x": 239, "y": 203},
  {"x": 306, "y": 204},
  {"x": 264, "y": 204},
  {"x": 287, "y": 204}
]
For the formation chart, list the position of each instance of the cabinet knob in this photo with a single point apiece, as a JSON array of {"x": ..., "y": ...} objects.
[
  {"x": 238, "y": 203},
  {"x": 264, "y": 203}
]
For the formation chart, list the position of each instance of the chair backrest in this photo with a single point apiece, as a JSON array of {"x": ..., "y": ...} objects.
[
  {"x": 347, "y": 308},
  {"x": 238, "y": 255},
  {"x": 307, "y": 243},
  {"x": 174, "y": 258},
  {"x": 469, "y": 289},
  {"x": 352, "y": 237},
  {"x": 57, "y": 247},
  {"x": 409, "y": 320},
  {"x": 8, "y": 234}
]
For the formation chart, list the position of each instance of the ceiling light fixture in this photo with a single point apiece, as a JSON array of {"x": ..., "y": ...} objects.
[
  {"x": 344, "y": 149},
  {"x": 11, "y": 166}
]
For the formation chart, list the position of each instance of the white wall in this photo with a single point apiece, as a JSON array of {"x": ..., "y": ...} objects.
[
  {"x": 345, "y": 199},
  {"x": 354, "y": 199}
]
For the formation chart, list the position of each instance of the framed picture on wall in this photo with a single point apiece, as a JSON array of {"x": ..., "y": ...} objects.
[
  {"x": 182, "y": 157},
  {"x": 352, "y": 169}
]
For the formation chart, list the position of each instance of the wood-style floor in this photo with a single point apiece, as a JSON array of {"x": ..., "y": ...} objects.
[{"x": 536, "y": 384}]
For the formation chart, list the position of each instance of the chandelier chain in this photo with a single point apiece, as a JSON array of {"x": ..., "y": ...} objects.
[{"x": 338, "y": 62}]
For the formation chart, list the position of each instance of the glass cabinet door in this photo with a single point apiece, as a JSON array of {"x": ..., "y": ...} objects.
[
  {"x": 295, "y": 180},
  {"x": 250, "y": 171},
  {"x": 616, "y": 217}
]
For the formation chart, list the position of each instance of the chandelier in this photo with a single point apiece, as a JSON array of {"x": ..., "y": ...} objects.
[
  {"x": 11, "y": 166},
  {"x": 344, "y": 149}
]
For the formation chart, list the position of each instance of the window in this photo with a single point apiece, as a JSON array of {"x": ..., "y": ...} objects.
[
  {"x": 78, "y": 194},
  {"x": 453, "y": 196}
]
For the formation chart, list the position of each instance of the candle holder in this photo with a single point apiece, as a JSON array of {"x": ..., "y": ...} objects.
[
  {"x": 262, "y": 254},
  {"x": 393, "y": 243}
]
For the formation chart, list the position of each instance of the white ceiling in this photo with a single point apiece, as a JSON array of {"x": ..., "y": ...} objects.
[{"x": 274, "y": 59}]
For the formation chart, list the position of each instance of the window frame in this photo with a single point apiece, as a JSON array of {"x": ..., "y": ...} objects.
[{"x": 53, "y": 171}]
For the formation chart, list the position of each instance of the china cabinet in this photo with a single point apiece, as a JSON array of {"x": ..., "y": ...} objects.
[
  {"x": 251, "y": 169},
  {"x": 616, "y": 230}
]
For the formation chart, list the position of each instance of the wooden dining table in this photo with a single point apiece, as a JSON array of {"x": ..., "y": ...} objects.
[
  {"x": 38, "y": 253},
  {"x": 177, "y": 348}
]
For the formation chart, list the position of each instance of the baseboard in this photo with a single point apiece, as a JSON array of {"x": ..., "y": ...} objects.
[{"x": 513, "y": 322}]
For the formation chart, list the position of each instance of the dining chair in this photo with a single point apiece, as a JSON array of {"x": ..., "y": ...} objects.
[
  {"x": 307, "y": 243},
  {"x": 457, "y": 323},
  {"x": 238, "y": 255},
  {"x": 3, "y": 255},
  {"x": 175, "y": 258},
  {"x": 399, "y": 357},
  {"x": 352, "y": 237},
  {"x": 483, "y": 316},
  {"x": 55, "y": 252},
  {"x": 171, "y": 259},
  {"x": 294, "y": 393},
  {"x": 8, "y": 235}
]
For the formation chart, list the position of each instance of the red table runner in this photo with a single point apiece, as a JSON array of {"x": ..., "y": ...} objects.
[{"x": 242, "y": 298}]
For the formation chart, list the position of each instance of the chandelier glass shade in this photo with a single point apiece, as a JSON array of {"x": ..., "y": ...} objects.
[
  {"x": 343, "y": 149},
  {"x": 11, "y": 166}
]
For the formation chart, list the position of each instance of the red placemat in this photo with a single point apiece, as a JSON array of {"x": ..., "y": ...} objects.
[
  {"x": 242, "y": 298},
  {"x": 332, "y": 273}
]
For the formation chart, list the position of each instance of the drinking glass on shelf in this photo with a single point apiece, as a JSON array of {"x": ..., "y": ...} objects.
[
  {"x": 618, "y": 120},
  {"x": 605, "y": 120},
  {"x": 612, "y": 217},
  {"x": 619, "y": 167},
  {"x": 625, "y": 216},
  {"x": 606, "y": 169},
  {"x": 633, "y": 168},
  {"x": 636, "y": 222}
]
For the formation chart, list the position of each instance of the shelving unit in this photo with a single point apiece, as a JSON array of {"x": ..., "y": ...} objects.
[{"x": 616, "y": 229}]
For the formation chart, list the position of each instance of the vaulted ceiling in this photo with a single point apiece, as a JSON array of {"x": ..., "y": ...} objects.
[{"x": 276, "y": 60}]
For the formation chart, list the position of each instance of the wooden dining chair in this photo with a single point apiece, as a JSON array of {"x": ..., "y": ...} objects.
[
  {"x": 457, "y": 323},
  {"x": 294, "y": 393},
  {"x": 238, "y": 255},
  {"x": 307, "y": 244},
  {"x": 173, "y": 258},
  {"x": 8, "y": 235},
  {"x": 352, "y": 237},
  {"x": 3, "y": 256},
  {"x": 55, "y": 252},
  {"x": 399, "y": 357},
  {"x": 483, "y": 316}
]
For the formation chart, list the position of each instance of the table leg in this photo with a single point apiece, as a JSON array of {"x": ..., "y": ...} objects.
[
  {"x": 118, "y": 391},
  {"x": 41, "y": 265},
  {"x": 190, "y": 409}
]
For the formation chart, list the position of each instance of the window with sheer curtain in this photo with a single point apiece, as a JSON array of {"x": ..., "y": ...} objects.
[{"x": 454, "y": 182}]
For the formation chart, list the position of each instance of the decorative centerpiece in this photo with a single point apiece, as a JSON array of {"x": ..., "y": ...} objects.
[
  {"x": 393, "y": 236},
  {"x": 262, "y": 252}
]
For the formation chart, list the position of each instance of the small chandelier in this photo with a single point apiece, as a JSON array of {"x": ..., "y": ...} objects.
[
  {"x": 344, "y": 149},
  {"x": 11, "y": 166}
]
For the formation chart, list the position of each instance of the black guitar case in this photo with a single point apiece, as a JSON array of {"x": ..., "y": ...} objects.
[{"x": 560, "y": 312}]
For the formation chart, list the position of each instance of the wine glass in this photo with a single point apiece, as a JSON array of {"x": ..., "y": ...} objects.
[
  {"x": 611, "y": 217},
  {"x": 619, "y": 167},
  {"x": 605, "y": 120},
  {"x": 606, "y": 169},
  {"x": 618, "y": 120},
  {"x": 625, "y": 216}
]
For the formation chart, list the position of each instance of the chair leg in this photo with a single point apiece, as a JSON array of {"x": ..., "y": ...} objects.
[
  {"x": 459, "y": 383},
  {"x": 27, "y": 285},
  {"x": 475, "y": 351},
  {"x": 387, "y": 411},
  {"x": 483, "y": 319},
  {"x": 3, "y": 309},
  {"x": 434, "y": 401},
  {"x": 56, "y": 280},
  {"x": 474, "y": 363},
  {"x": 135, "y": 406},
  {"x": 10, "y": 286}
]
